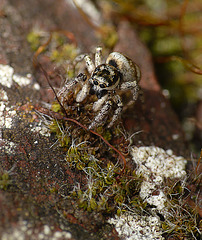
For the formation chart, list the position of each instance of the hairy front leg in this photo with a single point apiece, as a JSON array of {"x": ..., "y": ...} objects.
[
  {"x": 117, "y": 112},
  {"x": 83, "y": 93},
  {"x": 98, "y": 104},
  {"x": 98, "y": 56},
  {"x": 99, "y": 119},
  {"x": 69, "y": 84}
]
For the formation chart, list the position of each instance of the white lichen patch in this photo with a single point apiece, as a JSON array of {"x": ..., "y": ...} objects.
[
  {"x": 133, "y": 227},
  {"x": 24, "y": 230},
  {"x": 3, "y": 95},
  {"x": 41, "y": 128},
  {"x": 36, "y": 86},
  {"x": 8, "y": 77},
  {"x": 8, "y": 147},
  {"x": 154, "y": 164},
  {"x": 147, "y": 193},
  {"x": 6, "y": 115},
  {"x": 21, "y": 80}
]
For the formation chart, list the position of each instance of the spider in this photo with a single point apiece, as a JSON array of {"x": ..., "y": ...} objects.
[{"x": 119, "y": 73}]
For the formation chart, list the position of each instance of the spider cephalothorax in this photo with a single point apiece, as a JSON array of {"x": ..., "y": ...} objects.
[
  {"x": 104, "y": 78},
  {"x": 118, "y": 73}
]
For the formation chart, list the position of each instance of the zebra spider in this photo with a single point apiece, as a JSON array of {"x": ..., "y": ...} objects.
[{"x": 119, "y": 73}]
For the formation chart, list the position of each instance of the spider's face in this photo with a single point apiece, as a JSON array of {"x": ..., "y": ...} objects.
[{"x": 104, "y": 78}]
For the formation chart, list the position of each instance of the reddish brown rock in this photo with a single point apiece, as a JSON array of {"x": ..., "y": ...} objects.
[{"x": 36, "y": 166}]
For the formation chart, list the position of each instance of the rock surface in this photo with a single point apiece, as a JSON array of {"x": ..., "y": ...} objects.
[{"x": 32, "y": 167}]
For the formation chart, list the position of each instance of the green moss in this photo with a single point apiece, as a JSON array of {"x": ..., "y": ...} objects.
[
  {"x": 34, "y": 39},
  {"x": 182, "y": 220},
  {"x": 105, "y": 189},
  {"x": 4, "y": 180},
  {"x": 55, "y": 107},
  {"x": 59, "y": 39},
  {"x": 53, "y": 190},
  {"x": 108, "y": 35},
  {"x": 64, "y": 52},
  {"x": 92, "y": 205}
]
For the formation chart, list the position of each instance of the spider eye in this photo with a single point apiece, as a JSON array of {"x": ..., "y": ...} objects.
[
  {"x": 102, "y": 86},
  {"x": 95, "y": 82}
]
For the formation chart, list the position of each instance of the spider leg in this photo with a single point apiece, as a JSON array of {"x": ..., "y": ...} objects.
[
  {"x": 79, "y": 58},
  {"x": 90, "y": 67},
  {"x": 118, "y": 111},
  {"x": 83, "y": 93},
  {"x": 133, "y": 86},
  {"x": 69, "y": 84},
  {"x": 89, "y": 63},
  {"x": 135, "y": 92},
  {"x": 101, "y": 115},
  {"x": 98, "y": 56},
  {"x": 98, "y": 104}
]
